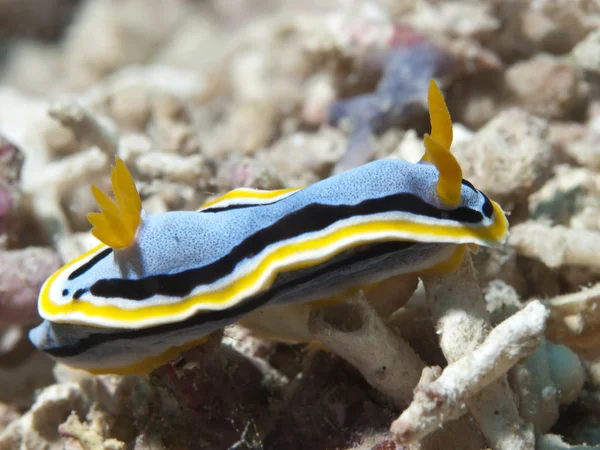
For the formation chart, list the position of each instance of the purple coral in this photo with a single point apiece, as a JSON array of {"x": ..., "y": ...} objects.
[
  {"x": 411, "y": 61},
  {"x": 22, "y": 273}
]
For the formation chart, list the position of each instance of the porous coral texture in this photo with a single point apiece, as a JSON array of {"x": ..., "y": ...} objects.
[{"x": 198, "y": 98}]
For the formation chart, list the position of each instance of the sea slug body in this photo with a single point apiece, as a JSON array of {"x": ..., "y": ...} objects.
[{"x": 161, "y": 283}]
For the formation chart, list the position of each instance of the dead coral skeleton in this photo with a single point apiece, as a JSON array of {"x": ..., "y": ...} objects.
[
  {"x": 557, "y": 246},
  {"x": 479, "y": 357},
  {"x": 444, "y": 398},
  {"x": 88, "y": 131},
  {"x": 100, "y": 132},
  {"x": 355, "y": 331},
  {"x": 366, "y": 342},
  {"x": 71, "y": 141},
  {"x": 463, "y": 323},
  {"x": 575, "y": 319}
]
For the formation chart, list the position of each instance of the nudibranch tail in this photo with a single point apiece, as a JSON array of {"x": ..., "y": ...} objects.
[
  {"x": 437, "y": 148},
  {"x": 118, "y": 221}
]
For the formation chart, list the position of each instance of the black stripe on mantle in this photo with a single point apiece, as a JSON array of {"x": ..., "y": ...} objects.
[
  {"x": 310, "y": 218},
  {"x": 360, "y": 254}
]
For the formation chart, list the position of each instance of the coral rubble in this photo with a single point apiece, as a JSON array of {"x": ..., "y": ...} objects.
[{"x": 198, "y": 98}]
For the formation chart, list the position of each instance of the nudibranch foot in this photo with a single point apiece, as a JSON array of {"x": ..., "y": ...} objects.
[{"x": 107, "y": 349}]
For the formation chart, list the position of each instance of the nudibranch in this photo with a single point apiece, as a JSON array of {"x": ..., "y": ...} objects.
[{"x": 159, "y": 284}]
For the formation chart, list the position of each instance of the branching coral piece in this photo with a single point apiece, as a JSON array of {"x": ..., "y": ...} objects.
[
  {"x": 90, "y": 436},
  {"x": 62, "y": 175},
  {"x": 463, "y": 323},
  {"x": 290, "y": 322},
  {"x": 437, "y": 401},
  {"x": 575, "y": 320},
  {"x": 354, "y": 331},
  {"x": 554, "y": 442},
  {"x": 43, "y": 179},
  {"x": 557, "y": 246},
  {"x": 85, "y": 125},
  {"x": 585, "y": 304}
]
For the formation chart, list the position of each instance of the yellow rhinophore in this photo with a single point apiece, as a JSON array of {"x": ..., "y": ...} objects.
[
  {"x": 118, "y": 221},
  {"x": 437, "y": 148}
]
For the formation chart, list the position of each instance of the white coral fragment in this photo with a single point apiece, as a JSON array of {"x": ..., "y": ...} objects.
[
  {"x": 557, "y": 246},
  {"x": 361, "y": 337},
  {"x": 463, "y": 324},
  {"x": 554, "y": 442},
  {"x": 501, "y": 173},
  {"x": 444, "y": 398},
  {"x": 575, "y": 319},
  {"x": 100, "y": 131},
  {"x": 587, "y": 52},
  {"x": 355, "y": 331}
]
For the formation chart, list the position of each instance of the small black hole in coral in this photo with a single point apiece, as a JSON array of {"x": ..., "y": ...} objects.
[{"x": 344, "y": 317}]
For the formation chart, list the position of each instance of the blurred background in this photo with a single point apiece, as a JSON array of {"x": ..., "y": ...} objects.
[{"x": 199, "y": 97}]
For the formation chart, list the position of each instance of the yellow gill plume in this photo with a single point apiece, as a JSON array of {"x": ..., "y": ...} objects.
[
  {"x": 118, "y": 220},
  {"x": 437, "y": 148}
]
